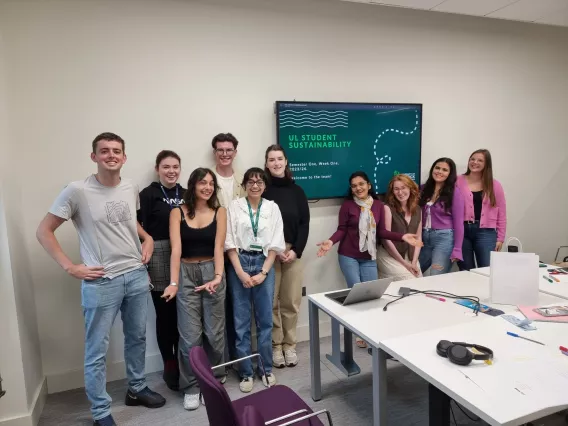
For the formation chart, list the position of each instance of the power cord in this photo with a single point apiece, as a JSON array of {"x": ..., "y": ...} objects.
[{"x": 473, "y": 299}]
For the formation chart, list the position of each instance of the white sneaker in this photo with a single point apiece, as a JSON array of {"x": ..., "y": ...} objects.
[
  {"x": 278, "y": 360},
  {"x": 191, "y": 402},
  {"x": 246, "y": 384},
  {"x": 271, "y": 380},
  {"x": 291, "y": 357},
  {"x": 223, "y": 379}
]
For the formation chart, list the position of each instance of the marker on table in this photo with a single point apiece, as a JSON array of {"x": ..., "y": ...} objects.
[
  {"x": 547, "y": 279},
  {"x": 564, "y": 350},
  {"x": 554, "y": 278},
  {"x": 524, "y": 338},
  {"x": 441, "y": 299}
]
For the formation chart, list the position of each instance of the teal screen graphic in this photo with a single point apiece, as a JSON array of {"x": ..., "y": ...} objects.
[{"x": 326, "y": 142}]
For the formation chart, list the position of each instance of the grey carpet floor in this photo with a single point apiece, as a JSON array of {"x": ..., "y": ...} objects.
[{"x": 348, "y": 399}]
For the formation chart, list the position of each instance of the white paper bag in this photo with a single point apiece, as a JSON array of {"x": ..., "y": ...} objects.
[{"x": 514, "y": 278}]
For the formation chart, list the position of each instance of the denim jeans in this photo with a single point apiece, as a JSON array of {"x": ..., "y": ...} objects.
[
  {"x": 201, "y": 320},
  {"x": 478, "y": 243},
  {"x": 437, "y": 251},
  {"x": 261, "y": 297},
  {"x": 101, "y": 301},
  {"x": 358, "y": 270}
]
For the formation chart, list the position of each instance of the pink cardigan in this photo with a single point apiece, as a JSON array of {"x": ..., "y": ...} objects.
[{"x": 491, "y": 217}]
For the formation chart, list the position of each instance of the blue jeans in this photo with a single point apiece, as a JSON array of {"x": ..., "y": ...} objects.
[
  {"x": 101, "y": 301},
  {"x": 261, "y": 297},
  {"x": 358, "y": 270},
  {"x": 437, "y": 251},
  {"x": 478, "y": 243}
]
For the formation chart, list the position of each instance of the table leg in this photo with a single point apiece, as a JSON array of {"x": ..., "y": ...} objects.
[
  {"x": 438, "y": 407},
  {"x": 315, "y": 351},
  {"x": 343, "y": 360},
  {"x": 379, "y": 387}
]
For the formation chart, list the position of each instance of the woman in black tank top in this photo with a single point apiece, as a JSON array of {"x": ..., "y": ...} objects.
[{"x": 197, "y": 234}]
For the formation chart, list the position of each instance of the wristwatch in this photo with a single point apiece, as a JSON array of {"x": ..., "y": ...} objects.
[
  {"x": 173, "y": 284},
  {"x": 263, "y": 272}
]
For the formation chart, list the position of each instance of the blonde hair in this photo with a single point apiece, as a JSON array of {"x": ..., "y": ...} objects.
[{"x": 413, "y": 199}]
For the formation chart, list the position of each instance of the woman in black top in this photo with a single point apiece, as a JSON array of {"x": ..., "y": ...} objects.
[
  {"x": 197, "y": 233},
  {"x": 293, "y": 205},
  {"x": 156, "y": 202}
]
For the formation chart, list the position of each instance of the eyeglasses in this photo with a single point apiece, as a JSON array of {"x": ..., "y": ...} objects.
[
  {"x": 258, "y": 183},
  {"x": 224, "y": 151}
]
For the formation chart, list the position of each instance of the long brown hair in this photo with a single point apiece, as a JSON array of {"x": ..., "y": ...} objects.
[
  {"x": 287, "y": 171},
  {"x": 486, "y": 175},
  {"x": 412, "y": 202}
]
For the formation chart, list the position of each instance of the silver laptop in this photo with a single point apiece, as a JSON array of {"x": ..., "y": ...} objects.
[{"x": 361, "y": 292}]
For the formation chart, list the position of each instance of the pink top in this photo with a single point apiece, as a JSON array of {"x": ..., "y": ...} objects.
[{"x": 491, "y": 217}]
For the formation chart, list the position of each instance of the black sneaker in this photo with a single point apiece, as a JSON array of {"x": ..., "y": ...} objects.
[
  {"x": 105, "y": 421},
  {"x": 145, "y": 397}
]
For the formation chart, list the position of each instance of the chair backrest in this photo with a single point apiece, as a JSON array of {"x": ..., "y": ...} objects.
[
  {"x": 252, "y": 417},
  {"x": 220, "y": 411}
]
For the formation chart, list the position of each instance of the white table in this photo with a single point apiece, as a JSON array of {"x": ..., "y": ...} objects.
[
  {"x": 527, "y": 381},
  {"x": 407, "y": 316},
  {"x": 486, "y": 271},
  {"x": 558, "y": 289}
]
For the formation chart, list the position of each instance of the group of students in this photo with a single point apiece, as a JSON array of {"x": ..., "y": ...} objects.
[
  {"x": 229, "y": 246},
  {"x": 224, "y": 247},
  {"x": 449, "y": 219}
]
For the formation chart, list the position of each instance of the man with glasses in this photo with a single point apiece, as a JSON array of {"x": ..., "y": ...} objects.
[{"x": 225, "y": 151}]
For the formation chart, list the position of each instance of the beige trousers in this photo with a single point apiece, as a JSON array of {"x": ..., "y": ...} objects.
[{"x": 286, "y": 306}]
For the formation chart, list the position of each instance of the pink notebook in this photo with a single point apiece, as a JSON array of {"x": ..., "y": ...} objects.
[{"x": 532, "y": 315}]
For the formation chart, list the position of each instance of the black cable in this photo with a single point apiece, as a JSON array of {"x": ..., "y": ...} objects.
[
  {"x": 453, "y": 415},
  {"x": 473, "y": 299},
  {"x": 462, "y": 410}
]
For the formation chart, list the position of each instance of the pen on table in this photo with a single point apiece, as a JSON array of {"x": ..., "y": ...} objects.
[
  {"x": 524, "y": 338},
  {"x": 441, "y": 299},
  {"x": 547, "y": 279},
  {"x": 564, "y": 350},
  {"x": 554, "y": 278}
]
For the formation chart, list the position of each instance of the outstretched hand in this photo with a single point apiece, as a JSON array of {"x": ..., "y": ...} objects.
[
  {"x": 324, "y": 247},
  {"x": 413, "y": 240}
]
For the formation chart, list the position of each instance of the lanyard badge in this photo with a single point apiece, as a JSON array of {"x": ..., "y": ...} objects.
[
  {"x": 168, "y": 198},
  {"x": 255, "y": 246}
]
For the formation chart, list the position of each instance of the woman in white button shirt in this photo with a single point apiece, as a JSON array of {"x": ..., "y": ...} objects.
[{"x": 255, "y": 235}]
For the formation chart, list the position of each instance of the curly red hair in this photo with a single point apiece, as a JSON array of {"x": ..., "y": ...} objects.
[{"x": 414, "y": 198}]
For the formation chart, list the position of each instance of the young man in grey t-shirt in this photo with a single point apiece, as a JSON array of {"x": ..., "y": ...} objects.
[{"x": 103, "y": 209}]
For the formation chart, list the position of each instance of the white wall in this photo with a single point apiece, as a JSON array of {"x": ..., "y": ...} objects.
[
  {"x": 171, "y": 73},
  {"x": 20, "y": 358}
]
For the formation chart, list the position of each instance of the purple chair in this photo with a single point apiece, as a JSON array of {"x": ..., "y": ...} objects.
[{"x": 276, "y": 406}]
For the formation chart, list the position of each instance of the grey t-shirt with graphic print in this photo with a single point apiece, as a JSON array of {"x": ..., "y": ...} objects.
[{"x": 105, "y": 219}]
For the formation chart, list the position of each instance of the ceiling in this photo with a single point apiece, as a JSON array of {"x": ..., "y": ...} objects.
[{"x": 549, "y": 12}]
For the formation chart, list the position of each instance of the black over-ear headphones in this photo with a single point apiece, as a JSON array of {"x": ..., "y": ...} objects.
[{"x": 458, "y": 352}]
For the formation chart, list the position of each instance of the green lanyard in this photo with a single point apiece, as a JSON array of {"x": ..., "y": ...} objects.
[{"x": 252, "y": 219}]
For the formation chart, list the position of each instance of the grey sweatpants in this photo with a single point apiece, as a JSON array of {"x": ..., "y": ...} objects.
[{"x": 201, "y": 320}]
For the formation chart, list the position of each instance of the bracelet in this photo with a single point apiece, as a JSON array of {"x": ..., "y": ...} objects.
[{"x": 221, "y": 275}]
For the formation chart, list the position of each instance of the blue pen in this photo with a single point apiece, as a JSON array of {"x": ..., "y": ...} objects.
[{"x": 524, "y": 338}]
